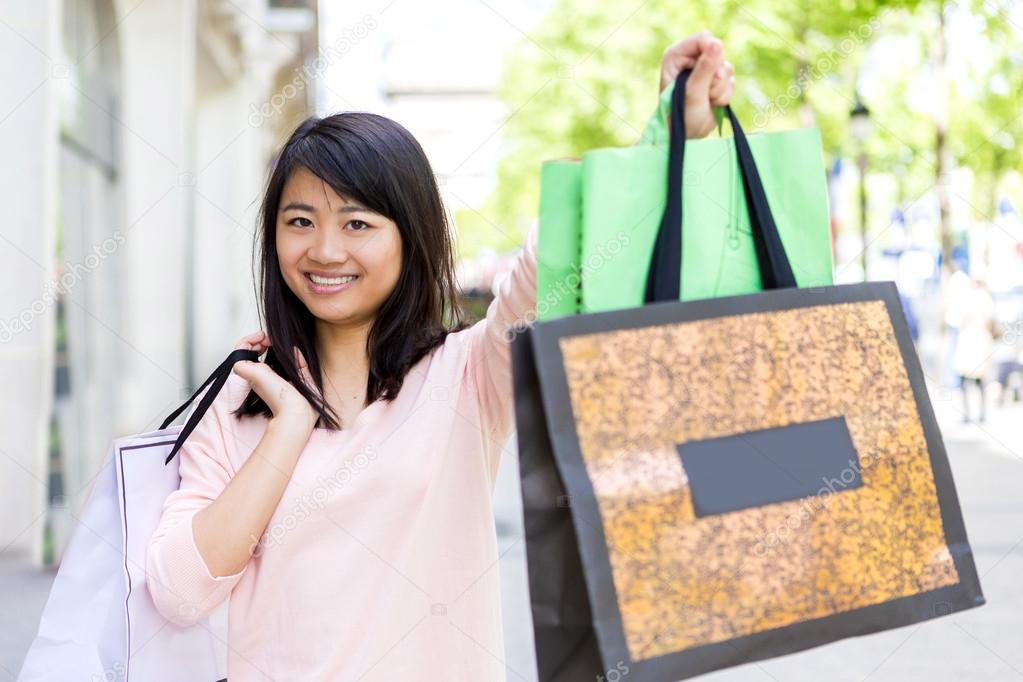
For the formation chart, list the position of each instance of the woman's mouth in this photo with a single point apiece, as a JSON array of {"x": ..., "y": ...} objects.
[{"x": 329, "y": 285}]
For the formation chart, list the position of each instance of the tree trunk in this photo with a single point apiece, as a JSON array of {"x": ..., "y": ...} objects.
[{"x": 941, "y": 151}]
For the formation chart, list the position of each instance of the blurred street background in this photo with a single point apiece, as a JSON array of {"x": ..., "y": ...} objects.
[{"x": 137, "y": 134}]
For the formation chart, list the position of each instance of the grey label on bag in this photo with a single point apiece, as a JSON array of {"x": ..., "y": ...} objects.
[{"x": 770, "y": 465}]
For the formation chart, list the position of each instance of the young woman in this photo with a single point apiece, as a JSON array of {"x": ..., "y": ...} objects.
[{"x": 340, "y": 491}]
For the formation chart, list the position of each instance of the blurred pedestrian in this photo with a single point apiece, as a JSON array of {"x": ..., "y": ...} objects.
[
  {"x": 975, "y": 343},
  {"x": 954, "y": 300}
]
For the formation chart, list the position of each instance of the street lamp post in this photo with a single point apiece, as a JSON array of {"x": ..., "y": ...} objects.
[{"x": 860, "y": 126}]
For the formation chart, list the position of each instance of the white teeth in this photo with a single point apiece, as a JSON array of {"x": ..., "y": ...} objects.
[{"x": 327, "y": 281}]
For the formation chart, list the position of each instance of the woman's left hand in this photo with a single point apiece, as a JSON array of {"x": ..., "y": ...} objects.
[{"x": 710, "y": 85}]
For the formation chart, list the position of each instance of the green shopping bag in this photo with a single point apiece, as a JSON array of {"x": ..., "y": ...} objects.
[
  {"x": 599, "y": 218},
  {"x": 559, "y": 243}
]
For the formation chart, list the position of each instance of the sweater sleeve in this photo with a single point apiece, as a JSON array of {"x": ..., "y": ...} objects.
[
  {"x": 179, "y": 582},
  {"x": 489, "y": 352}
]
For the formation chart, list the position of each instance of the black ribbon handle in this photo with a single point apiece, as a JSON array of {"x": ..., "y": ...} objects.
[
  {"x": 663, "y": 278},
  {"x": 218, "y": 379}
]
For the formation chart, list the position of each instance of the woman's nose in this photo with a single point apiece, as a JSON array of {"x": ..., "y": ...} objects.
[{"x": 328, "y": 248}]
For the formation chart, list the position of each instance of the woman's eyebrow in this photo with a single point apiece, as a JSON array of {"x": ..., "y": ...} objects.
[{"x": 344, "y": 208}]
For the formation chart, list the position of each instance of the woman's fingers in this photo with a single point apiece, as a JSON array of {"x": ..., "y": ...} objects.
[
  {"x": 698, "y": 87},
  {"x": 688, "y": 47},
  {"x": 267, "y": 383},
  {"x": 255, "y": 373},
  {"x": 711, "y": 83},
  {"x": 724, "y": 73},
  {"x": 682, "y": 55},
  {"x": 280, "y": 395},
  {"x": 721, "y": 91},
  {"x": 258, "y": 341},
  {"x": 248, "y": 342}
]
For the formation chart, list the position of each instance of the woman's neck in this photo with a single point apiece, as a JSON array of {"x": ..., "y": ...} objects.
[{"x": 344, "y": 360}]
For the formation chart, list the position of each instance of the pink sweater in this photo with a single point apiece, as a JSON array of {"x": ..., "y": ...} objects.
[{"x": 380, "y": 562}]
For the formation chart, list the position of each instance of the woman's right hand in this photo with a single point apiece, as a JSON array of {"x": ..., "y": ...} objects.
[{"x": 283, "y": 399}]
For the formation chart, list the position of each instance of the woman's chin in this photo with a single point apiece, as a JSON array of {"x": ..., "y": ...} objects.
[{"x": 334, "y": 316}]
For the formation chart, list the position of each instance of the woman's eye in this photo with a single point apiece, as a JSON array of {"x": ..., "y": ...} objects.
[
  {"x": 358, "y": 225},
  {"x": 300, "y": 222}
]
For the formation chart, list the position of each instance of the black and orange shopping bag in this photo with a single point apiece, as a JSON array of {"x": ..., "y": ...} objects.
[{"x": 719, "y": 481}]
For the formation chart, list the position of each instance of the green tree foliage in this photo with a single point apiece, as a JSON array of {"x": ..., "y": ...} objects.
[
  {"x": 587, "y": 77},
  {"x": 987, "y": 132}
]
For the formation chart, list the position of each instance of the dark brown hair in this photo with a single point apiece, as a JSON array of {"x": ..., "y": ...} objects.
[{"x": 377, "y": 162}]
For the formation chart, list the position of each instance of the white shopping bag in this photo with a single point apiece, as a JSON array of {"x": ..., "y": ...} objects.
[{"x": 100, "y": 622}]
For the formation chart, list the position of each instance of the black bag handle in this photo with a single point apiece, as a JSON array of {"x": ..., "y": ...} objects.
[
  {"x": 666, "y": 262},
  {"x": 218, "y": 379}
]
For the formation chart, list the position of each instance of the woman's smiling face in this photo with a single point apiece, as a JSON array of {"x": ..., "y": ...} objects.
[{"x": 340, "y": 259}]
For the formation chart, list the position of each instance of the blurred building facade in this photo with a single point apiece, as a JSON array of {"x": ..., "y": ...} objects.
[
  {"x": 435, "y": 68},
  {"x": 138, "y": 136}
]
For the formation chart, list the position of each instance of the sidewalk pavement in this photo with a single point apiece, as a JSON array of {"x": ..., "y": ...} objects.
[{"x": 24, "y": 590}]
